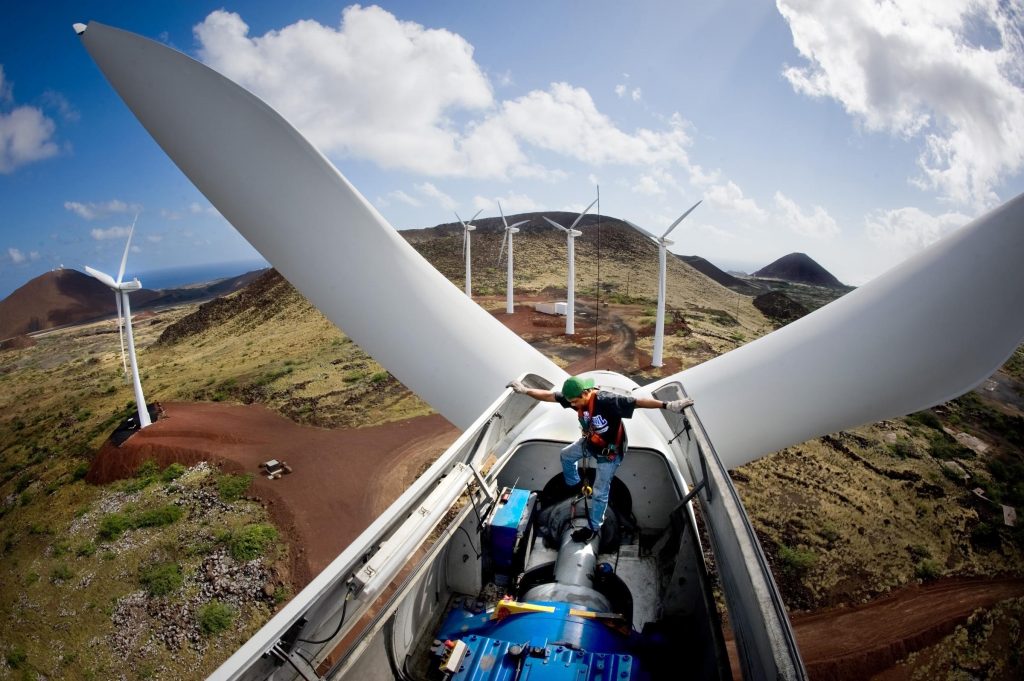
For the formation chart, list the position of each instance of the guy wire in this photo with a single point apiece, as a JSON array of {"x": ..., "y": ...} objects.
[{"x": 597, "y": 313}]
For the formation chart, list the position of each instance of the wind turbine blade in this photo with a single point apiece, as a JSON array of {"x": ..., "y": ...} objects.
[
  {"x": 922, "y": 333},
  {"x": 680, "y": 219},
  {"x": 583, "y": 213},
  {"x": 555, "y": 224},
  {"x": 516, "y": 224},
  {"x": 460, "y": 220},
  {"x": 642, "y": 231},
  {"x": 128, "y": 245},
  {"x": 503, "y": 220},
  {"x": 120, "y": 331},
  {"x": 261, "y": 173},
  {"x": 102, "y": 276},
  {"x": 504, "y": 240},
  {"x": 465, "y": 237},
  {"x": 475, "y": 215}
]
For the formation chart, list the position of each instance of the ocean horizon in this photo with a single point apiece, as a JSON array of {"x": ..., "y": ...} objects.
[{"x": 176, "y": 277}]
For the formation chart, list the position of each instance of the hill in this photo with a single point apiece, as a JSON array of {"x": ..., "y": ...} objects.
[
  {"x": 67, "y": 296},
  {"x": 53, "y": 299},
  {"x": 722, "y": 277},
  {"x": 799, "y": 268}
]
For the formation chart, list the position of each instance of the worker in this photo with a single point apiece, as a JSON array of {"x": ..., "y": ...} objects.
[{"x": 600, "y": 415}]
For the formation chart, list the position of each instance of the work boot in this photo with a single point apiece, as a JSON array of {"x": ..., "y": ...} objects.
[{"x": 583, "y": 535}]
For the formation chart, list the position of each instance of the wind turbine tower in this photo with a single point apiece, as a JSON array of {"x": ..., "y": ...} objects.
[
  {"x": 570, "y": 296},
  {"x": 468, "y": 227},
  {"x": 663, "y": 243},
  {"x": 124, "y": 322},
  {"x": 509, "y": 231}
]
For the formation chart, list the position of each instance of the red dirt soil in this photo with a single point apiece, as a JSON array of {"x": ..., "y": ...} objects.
[
  {"x": 340, "y": 481},
  {"x": 857, "y": 643}
]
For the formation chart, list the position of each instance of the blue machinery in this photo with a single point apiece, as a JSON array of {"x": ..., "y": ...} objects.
[{"x": 565, "y": 626}]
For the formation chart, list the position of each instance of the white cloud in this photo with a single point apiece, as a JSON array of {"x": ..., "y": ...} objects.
[
  {"x": 620, "y": 90},
  {"x": 93, "y": 211},
  {"x": 729, "y": 197},
  {"x": 635, "y": 94},
  {"x": 399, "y": 195},
  {"x": 375, "y": 87},
  {"x": 818, "y": 225},
  {"x": 17, "y": 257},
  {"x": 110, "y": 233},
  {"x": 648, "y": 186},
  {"x": 510, "y": 203},
  {"x": 432, "y": 192},
  {"x": 908, "y": 230},
  {"x": 26, "y": 135},
  {"x": 154, "y": 238},
  {"x": 565, "y": 120},
  {"x": 437, "y": 117},
  {"x": 917, "y": 69}
]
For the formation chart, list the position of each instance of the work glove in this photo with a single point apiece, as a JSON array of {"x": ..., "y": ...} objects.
[
  {"x": 677, "y": 406},
  {"x": 517, "y": 387}
]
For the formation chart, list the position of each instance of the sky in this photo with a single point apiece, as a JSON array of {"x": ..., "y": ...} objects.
[{"x": 856, "y": 131}]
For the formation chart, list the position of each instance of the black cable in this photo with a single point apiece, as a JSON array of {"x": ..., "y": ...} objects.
[
  {"x": 344, "y": 608},
  {"x": 597, "y": 314},
  {"x": 470, "y": 538}
]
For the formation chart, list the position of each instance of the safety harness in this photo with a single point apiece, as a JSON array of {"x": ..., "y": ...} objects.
[{"x": 597, "y": 439}]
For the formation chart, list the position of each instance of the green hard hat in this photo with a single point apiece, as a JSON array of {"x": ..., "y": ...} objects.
[{"x": 574, "y": 386}]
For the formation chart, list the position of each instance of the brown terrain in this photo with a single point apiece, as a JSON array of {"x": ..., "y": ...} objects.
[{"x": 328, "y": 498}]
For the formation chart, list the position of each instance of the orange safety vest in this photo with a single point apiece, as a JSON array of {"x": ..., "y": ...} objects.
[{"x": 596, "y": 438}]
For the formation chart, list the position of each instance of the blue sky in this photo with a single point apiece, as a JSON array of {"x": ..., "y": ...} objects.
[{"x": 853, "y": 131}]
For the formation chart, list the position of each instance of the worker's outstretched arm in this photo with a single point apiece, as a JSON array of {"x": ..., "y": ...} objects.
[
  {"x": 675, "y": 405},
  {"x": 535, "y": 393}
]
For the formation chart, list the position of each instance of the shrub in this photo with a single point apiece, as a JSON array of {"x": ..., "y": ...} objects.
[
  {"x": 919, "y": 551},
  {"x": 904, "y": 449},
  {"x": 61, "y": 573},
  {"x": 147, "y": 468},
  {"x": 16, "y": 657},
  {"x": 113, "y": 524},
  {"x": 379, "y": 377},
  {"x": 215, "y": 617},
  {"x": 80, "y": 471},
  {"x": 85, "y": 549},
  {"x": 926, "y": 418},
  {"x": 158, "y": 517},
  {"x": 172, "y": 472},
  {"x": 161, "y": 579},
  {"x": 231, "y": 487},
  {"x": 943, "y": 446},
  {"x": 251, "y": 541},
  {"x": 927, "y": 569},
  {"x": 795, "y": 560}
]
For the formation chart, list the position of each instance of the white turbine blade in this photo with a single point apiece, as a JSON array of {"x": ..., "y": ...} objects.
[
  {"x": 643, "y": 231},
  {"x": 120, "y": 331},
  {"x": 460, "y": 220},
  {"x": 102, "y": 276},
  {"x": 680, "y": 219},
  {"x": 555, "y": 224},
  {"x": 260, "y": 173},
  {"x": 465, "y": 237},
  {"x": 503, "y": 220},
  {"x": 923, "y": 333},
  {"x": 573, "y": 226},
  {"x": 128, "y": 245},
  {"x": 504, "y": 240},
  {"x": 475, "y": 215},
  {"x": 516, "y": 224}
]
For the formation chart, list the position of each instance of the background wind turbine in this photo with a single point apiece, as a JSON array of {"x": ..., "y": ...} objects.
[
  {"x": 663, "y": 243},
  {"x": 570, "y": 297},
  {"x": 509, "y": 231},
  {"x": 468, "y": 227},
  {"x": 124, "y": 320}
]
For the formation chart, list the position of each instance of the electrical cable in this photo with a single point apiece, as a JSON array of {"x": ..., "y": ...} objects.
[
  {"x": 344, "y": 609},
  {"x": 597, "y": 314},
  {"x": 470, "y": 538}
]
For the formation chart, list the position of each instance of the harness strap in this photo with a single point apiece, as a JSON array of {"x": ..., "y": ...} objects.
[{"x": 596, "y": 438}]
